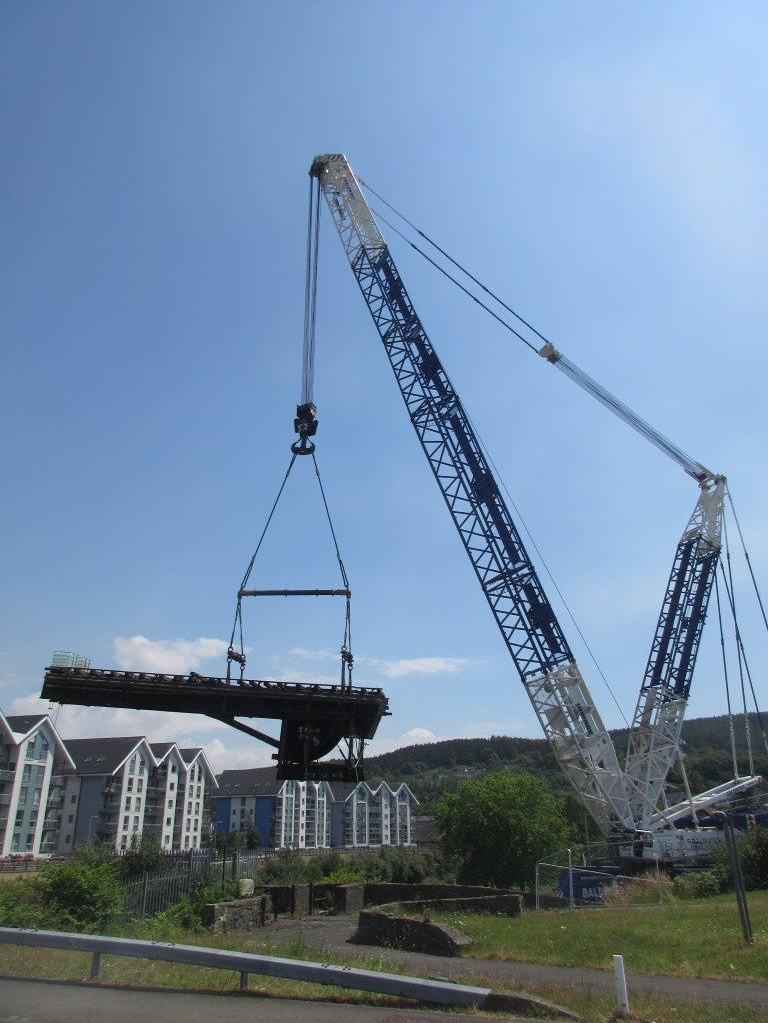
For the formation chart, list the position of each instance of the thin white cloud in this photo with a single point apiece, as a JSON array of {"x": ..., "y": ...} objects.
[
  {"x": 391, "y": 667},
  {"x": 225, "y": 757},
  {"x": 419, "y": 666},
  {"x": 176, "y": 656}
]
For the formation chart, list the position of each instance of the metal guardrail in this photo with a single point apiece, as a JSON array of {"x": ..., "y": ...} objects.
[{"x": 435, "y": 992}]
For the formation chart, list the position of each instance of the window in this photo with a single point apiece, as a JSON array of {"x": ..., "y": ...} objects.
[
  {"x": 135, "y": 823},
  {"x": 186, "y": 841},
  {"x": 127, "y": 802},
  {"x": 172, "y": 786},
  {"x": 137, "y": 805},
  {"x": 140, "y": 785},
  {"x": 73, "y": 799},
  {"x": 167, "y": 840},
  {"x": 130, "y": 785},
  {"x": 44, "y": 747},
  {"x": 167, "y": 821},
  {"x": 132, "y": 766},
  {"x": 197, "y": 808},
  {"x": 26, "y": 773},
  {"x": 189, "y": 807},
  {"x": 68, "y": 840},
  {"x": 173, "y": 769},
  {"x": 126, "y": 822},
  {"x": 170, "y": 804},
  {"x": 188, "y": 823},
  {"x": 195, "y": 828},
  {"x": 71, "y": 819},
  {"x": 198, "y": 792}
]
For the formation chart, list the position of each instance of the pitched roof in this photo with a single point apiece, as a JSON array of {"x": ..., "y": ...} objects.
[
  {"x": 101, "y": 756},
  {"x": 252, "y": 781},
  {"x": 23, "y": 723},
  {"x": 161, "y": 748}
]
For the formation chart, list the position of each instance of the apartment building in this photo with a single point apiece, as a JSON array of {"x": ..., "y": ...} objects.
[
  {"x": 123, "y": 787},
  {"x": 312, "y": 815},
  {"x": 32, "y": 761},
  {"x": 364, "y": 815}
]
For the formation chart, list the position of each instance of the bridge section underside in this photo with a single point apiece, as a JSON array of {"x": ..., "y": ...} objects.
[{"x": 316, "y": 719}]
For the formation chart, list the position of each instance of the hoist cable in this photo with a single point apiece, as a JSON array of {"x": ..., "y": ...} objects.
[
  {"x": 551, "y": 578},
  {"x": 692, "y": 466},
  {"x": 458, "y": 284},
  {"x": 310, "y": 292},
  {"x": 747, "y": 558},
  {"x": 731, "y": 729},
  {"x": 728, "y": 579},
  {"x": 238, "y": 612},
  {"x": 347, "y": 642},
  {"x": 458, "y": 266}
]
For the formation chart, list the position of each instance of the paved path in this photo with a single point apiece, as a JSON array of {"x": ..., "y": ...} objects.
[
  {"x": 24, "y": 1001},
  {"x": 332, "y": 933}
]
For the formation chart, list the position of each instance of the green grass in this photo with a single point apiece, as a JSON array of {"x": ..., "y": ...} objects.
[{"x": 680, "y": 938}]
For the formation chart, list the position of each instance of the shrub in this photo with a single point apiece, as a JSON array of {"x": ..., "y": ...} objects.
[
  {"x": 75, "y": 896},
  {"x": 698, "y": 885},
  {"x": 753, "y": 850}
]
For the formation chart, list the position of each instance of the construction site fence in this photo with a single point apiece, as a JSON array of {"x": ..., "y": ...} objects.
[{"x": 569, "y": 885}]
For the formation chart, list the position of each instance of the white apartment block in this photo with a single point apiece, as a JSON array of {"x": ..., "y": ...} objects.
[
  {"x": 312, "y": 815},
  {"x": 375, "y": 816},
  {"x": 123, "y": 787},
  {"x": 32, "y": 758}
]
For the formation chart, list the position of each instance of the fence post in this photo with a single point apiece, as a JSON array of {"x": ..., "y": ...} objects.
[
  {"x": 144, "y": 894},
  {"x": 243, "y": 980},
  {"x": 570, "y": 880},
  {"x": 621, "y": 987},
  {"x": 95, "y": 965},
  {"x": 537, "y": 886}
]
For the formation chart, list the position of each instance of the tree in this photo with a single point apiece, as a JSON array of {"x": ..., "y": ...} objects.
[
  {"x": 498, "y": 827},
  {"x": 252, "y": 836}
]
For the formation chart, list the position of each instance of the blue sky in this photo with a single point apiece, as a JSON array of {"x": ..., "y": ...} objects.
[{"x": 603, "y": 167}]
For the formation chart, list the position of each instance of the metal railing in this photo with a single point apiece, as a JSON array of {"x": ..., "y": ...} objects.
[{"x": 434, "y": 992}]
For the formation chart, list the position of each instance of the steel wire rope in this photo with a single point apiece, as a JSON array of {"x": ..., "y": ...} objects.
[
  {"x": 741, "y": 659},
  {"x": 748, "y": 670},
  {"x": 310, "y": 292},
  {"x": 485, "y": 450},
  {"x": 746, "y": 557},
  {"x": 731, "y": 729},
  {"x": 238, "y": 610},
  {"x": 347, "y": 644},
  {"x": 546, "y": 568},
  {"x": 610, "y": 401}
]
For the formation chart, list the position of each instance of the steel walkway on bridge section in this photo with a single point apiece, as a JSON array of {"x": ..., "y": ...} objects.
[{"x": 315, "y": 718}]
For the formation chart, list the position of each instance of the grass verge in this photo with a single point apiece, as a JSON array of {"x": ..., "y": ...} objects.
[{"x": 679, "y": 939}]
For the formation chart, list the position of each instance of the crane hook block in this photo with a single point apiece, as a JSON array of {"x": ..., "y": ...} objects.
[{"x": 305, "y": 424}]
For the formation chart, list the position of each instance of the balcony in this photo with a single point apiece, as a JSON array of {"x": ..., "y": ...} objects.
[
  {"x": 107, "y": 828},
  {"x": 113, "y": 806},
  {"x": 57, "y": 781},
  {"x": 53, "y": 816},
  {"x": 6, "y": 774},
  {"x": 5, "y": 798}
]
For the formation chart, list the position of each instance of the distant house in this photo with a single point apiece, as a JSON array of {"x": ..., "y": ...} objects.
[
  {"x": 32, "y": 759},
  {"x": 312, "y": 815}
]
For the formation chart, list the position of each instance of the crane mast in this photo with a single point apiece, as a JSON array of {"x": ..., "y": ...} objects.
[
  {"x": 522, "y": 611},
  {"x": 622, "y": 800}
]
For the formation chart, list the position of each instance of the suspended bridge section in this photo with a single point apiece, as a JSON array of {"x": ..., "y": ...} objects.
[{"x": 316, "y": 718}]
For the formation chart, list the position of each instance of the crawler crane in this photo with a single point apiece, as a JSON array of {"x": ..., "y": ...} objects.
[{"x": 626, "y": 800}]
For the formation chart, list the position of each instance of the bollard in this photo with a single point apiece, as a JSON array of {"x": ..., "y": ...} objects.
[
  {"x": 95, "y": 965},
  {"x": 621, "y": 987}
]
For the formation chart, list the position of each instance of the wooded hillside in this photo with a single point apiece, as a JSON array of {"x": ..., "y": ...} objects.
[{"x": 435, "y": 767}]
